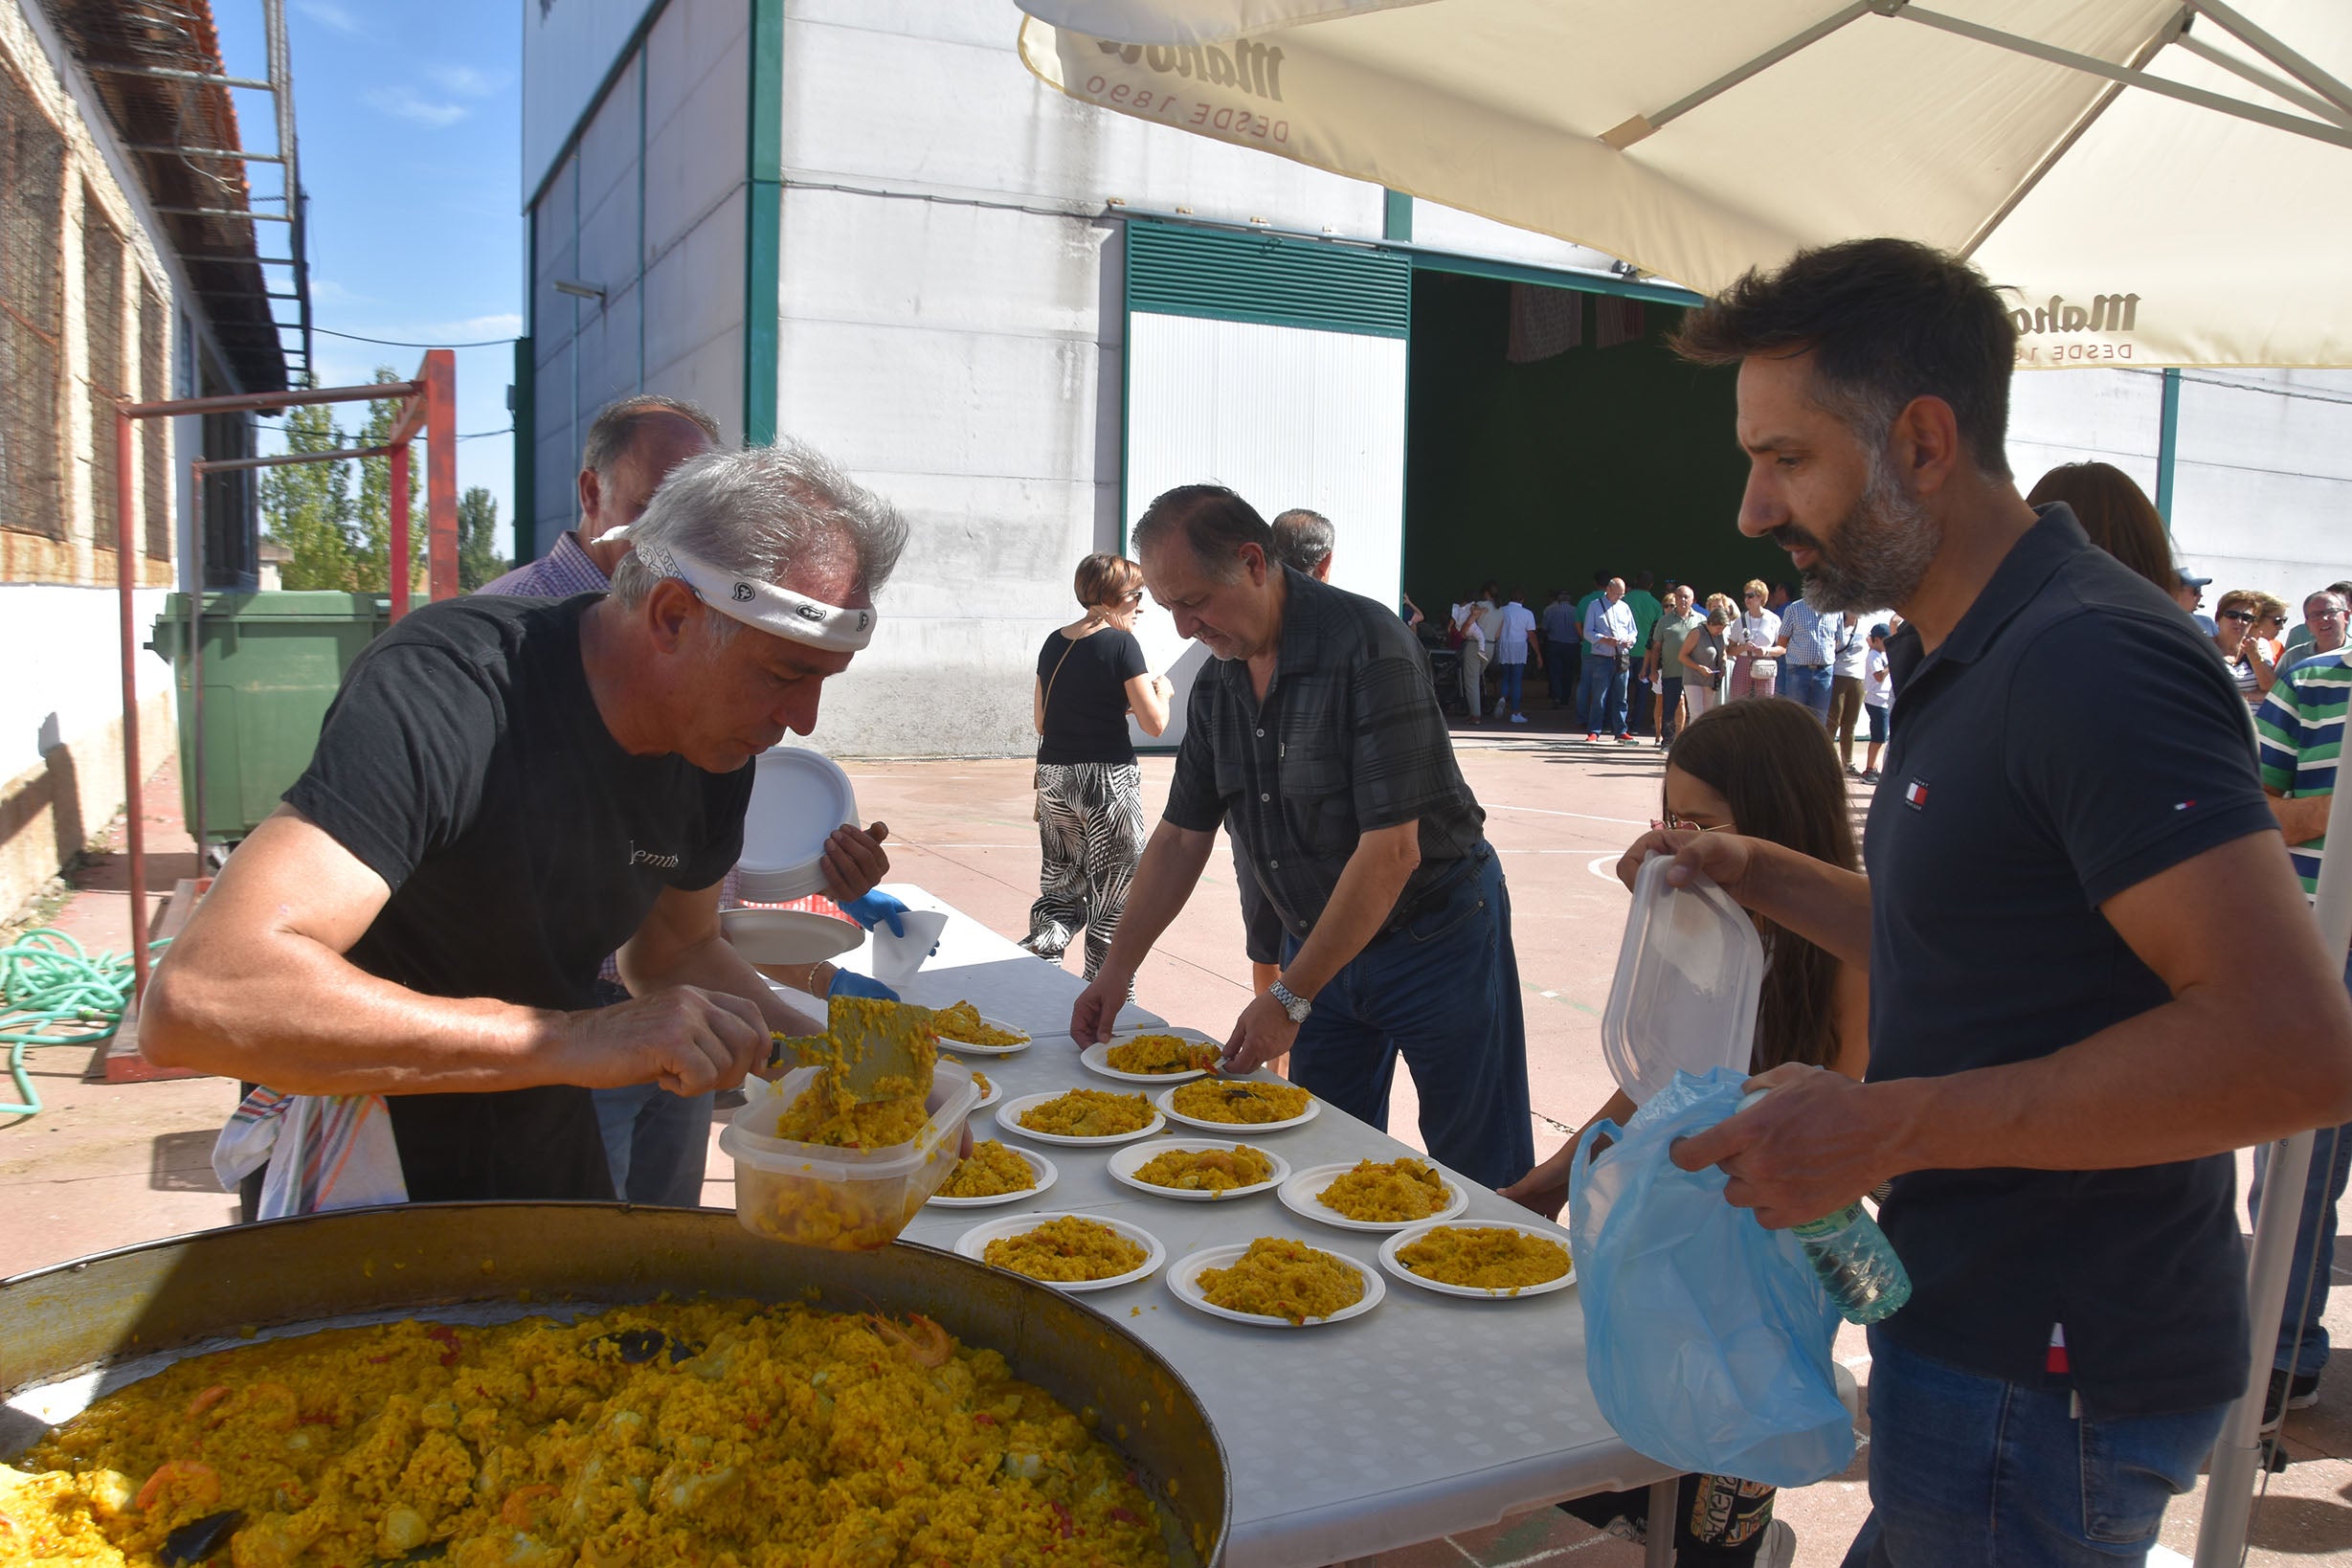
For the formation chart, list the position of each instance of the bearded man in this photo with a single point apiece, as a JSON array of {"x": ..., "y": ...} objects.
[{"x": 2067, "y": 904}]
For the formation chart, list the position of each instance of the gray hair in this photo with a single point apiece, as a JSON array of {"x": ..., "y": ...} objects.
[
  {"x": 757, "y": 513},
  {"x": 616, "y": 427},
  {"x": 1303, "y": 539}
]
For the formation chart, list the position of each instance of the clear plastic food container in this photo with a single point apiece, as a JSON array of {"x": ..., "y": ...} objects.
[
  {"x": 843, "y": 1199},
  {"x": 1688, "y": 978}
]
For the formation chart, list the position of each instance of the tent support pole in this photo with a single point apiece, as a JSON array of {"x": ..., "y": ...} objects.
[
  {"x": 2168, "y": 444},
  {"x": 1643, "y": 124},
  {"x": 2269, "y": 82},
  {"x": 2236, "y": 1463},
  {"x": 2092, "y": 65},
  {"x": 2272, "y": 49}
]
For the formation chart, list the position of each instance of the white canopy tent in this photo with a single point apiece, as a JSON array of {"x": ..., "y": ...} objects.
[{"x": 2161, "y": 182}]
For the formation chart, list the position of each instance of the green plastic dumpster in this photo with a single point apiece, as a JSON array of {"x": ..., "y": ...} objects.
[{"x": 272, "y": 664}]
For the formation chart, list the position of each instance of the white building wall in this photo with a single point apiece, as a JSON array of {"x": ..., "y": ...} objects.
[
  {"x": 649, "y": 207},
  {"x": 2262, "y": 477},
  {"x": 964, "y": 358},
  {"x": 1314, "y": 418}
]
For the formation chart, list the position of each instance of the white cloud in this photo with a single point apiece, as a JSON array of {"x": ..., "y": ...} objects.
[
  {"x": 465, "y": 81},
  {"x": 329, "y": 14},
  {"x": 406, "y": 104}
]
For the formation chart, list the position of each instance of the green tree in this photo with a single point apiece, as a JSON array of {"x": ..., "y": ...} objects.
[
  {"x": 478, "y": 557},
  {"x": 374, "y": 514},
  {"x": 307, "y": 506}
]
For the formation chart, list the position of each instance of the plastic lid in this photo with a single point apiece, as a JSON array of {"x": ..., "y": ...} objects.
[
  {"x": 798, "y": 797},
  {"x": 1688, "y": 978}
]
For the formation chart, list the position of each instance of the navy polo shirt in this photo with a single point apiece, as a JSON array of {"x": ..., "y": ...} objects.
[{"x": 2071, "y": 738}]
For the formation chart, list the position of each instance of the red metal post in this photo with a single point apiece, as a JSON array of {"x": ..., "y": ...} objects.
[
  {"x": 397, "y": 563},
  {"x": 126, "y": 571},
  {"x": 439, "y": 374}
]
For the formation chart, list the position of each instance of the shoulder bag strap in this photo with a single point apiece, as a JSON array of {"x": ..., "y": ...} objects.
[{"x": 1048, "y": 703}]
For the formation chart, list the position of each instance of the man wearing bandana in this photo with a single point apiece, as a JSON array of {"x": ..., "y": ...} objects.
[{"x": 505, "y": 791}]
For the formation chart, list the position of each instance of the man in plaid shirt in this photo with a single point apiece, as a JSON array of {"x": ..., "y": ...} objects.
[{"x": 1315, "y": 738}]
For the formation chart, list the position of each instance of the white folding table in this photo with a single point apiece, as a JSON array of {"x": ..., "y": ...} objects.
[{"x": 1427, "y": 1415}]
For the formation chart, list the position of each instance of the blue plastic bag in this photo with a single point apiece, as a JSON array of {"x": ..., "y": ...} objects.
[{"x": 1707, "y": 1337}]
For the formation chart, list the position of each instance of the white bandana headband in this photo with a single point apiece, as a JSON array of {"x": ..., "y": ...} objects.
[{"x": 777, "y": 611}]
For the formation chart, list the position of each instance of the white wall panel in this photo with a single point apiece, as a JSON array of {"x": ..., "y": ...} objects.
[
  {"x": 2262, "y": 476},
  {"x": 568, "y": 46},
  {"x": 897, "y": 97},
  {"x": 80, "y": 689},
  {"x": 1283, "y": 416}
]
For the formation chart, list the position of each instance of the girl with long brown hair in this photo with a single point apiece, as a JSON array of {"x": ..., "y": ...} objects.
[{"x": 1766, "y": 770}]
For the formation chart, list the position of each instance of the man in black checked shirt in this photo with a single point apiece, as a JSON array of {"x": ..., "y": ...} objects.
[{"x": 1317, "y": 739}]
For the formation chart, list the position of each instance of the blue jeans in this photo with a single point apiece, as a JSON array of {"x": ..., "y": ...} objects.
[
  {"x": 1669, "y": 699},
  {"x": 1600, "y": 698},
  {"x": 1973, "y": 1472},
  {"x": 1810, "y": 685},
  {"x": 655, "y": 1142},
  {"x": 1509, "y": 676},
  {"x": 1444, "y": 990},
  {"x": 1560, "y": 669}
]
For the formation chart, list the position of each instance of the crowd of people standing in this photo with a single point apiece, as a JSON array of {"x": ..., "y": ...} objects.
[{"x": 1637, "y": 663}]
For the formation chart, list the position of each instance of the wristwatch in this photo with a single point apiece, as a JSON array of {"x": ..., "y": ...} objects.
[{"x": 1292, "y": 1003}]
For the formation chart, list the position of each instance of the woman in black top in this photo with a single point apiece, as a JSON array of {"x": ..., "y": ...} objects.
[{"x": 1090, "y": 675}]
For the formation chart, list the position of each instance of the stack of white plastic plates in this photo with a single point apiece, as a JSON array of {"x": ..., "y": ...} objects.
[{"x": 798, "y": 797}]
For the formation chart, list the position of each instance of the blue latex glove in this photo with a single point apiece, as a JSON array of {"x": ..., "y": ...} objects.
[
  {"x": 850, "y": 983},
  {"x": 876, "y": 909}
]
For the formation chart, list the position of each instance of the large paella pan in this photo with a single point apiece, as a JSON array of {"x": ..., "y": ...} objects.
[{"x": 972, "y": 1407}]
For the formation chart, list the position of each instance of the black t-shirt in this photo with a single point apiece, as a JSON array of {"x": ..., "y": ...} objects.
[
  {"x": 2012, "y": 808},
  {"x": 464, "y": 762},
  {"x": 1086, "y": 703}
]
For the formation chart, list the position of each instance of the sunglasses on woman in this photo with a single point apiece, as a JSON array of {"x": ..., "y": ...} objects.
[
  {"x": 1684, "y": 824},
  {"x": 2246, "y": 615}
]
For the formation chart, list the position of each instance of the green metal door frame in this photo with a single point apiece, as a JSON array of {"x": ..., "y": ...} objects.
[{"x": 763, "y": 223}]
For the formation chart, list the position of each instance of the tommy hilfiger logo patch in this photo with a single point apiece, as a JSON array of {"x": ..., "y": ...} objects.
[{"x": 1914, "y": 795}]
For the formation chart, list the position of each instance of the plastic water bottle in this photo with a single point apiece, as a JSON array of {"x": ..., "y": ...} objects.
[{"x": 1856, "y": 1261}]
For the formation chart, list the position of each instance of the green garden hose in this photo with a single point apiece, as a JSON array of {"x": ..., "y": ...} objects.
[{"x": 52, "y": 992}]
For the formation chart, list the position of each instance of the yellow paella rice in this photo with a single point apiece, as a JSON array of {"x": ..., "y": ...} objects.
[
  {"x": 1207, "y": 1170},
  {"x": 1089, "y": 1113},
  {"x": 1066, "y": 1251},
  {"x": 812, "y": 1211},
  {"x": 1162, "y": 1053},
  {"x": 1214, "y": 1099},
  {"x": 1278, "y": 1277},
  {"x": 1378, "y": 1191},
  {"x": 962, "y": 1023},
  {"x": 990, "y": 1171},
  {"x": 1485, "y": 1257},
  {"x": 720, "y": 1433},
  {"x": 827, "y": 1113}
]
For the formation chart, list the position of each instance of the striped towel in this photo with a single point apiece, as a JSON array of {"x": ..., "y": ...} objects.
[{"x": 323, "y": 1151}]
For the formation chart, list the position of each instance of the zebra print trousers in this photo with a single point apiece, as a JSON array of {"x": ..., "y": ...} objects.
[{"x": 1090, "y": 824}]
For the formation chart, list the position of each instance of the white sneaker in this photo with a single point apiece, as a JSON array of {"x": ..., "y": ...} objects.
[
  {"x": 1519, "y": 718},
  {"x": 1780, "y": 1546}
]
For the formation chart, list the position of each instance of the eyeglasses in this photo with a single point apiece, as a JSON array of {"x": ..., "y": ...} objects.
[
  {"x": 2246, "y": 615},
  {"x": 1684, "y": 824}
]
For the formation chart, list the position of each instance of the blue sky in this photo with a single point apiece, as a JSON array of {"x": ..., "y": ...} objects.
[{"x": 409, "y": 126}]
